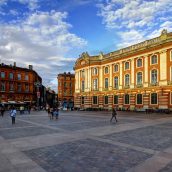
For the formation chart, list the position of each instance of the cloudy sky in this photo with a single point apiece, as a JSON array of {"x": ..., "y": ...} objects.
[{"x": 51, "y": 34}]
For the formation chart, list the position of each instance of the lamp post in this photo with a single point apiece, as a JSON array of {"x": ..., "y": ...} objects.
[{"x": 37, "y": 84}]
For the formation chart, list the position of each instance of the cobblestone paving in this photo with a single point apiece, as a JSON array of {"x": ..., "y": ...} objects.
[
  {"x": 86, "y": 156},
  {"x": 156, "y": 137},
  {"x": 25, "y": 132},
  {"x": 168, "y": 168},
  {"x": 75, "y": 149},
  {"x": 6, "y": 123}
]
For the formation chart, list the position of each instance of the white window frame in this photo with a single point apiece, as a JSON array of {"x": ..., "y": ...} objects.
[
  {"x": 137, "y": 79},
  {"x": 124, "y": 80},
  {"x": 114, "y": 82},
  {"x": 151, "y": 59},
  {"x": 95, "y": 88},
  {"x": 151, "y": 76},
  {"x": 114, "y": 101},
  {"x": 107, "y": 99},
  {"x": 128, "y": 65},
  {"x": 137, "y": 62},
  {"x": 106, "y": 67},
  {"x": 124, "y": 99},
  {"x": 117, "y": 67},
  {"x": 151, "y": 96},
  {"x": 93, "y": 100},
  {"x": 95, "y": 71},
  {"x": 136, "y": 99},
  {"x": 105, "y": 83}
]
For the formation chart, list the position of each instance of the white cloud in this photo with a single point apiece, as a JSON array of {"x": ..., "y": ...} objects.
[
  {"x": 141, "y": 19},
  {"x": 42, "y": 40}
]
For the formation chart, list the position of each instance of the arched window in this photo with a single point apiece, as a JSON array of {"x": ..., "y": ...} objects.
[
  {"x": 95, "y": 71},
  {"x": 116, "y": 68},
  {"x": 154, "y": 76},
  {"x": 139, "y": 78},
  {"x": 106, "y": 83},
  {"x": 139, "y": 62},
  {"x": 154, "y": 59},
  {"x": 106, "y": 70},
  {"x": 127, "y": 65},
  {"x": 127, "y": 80}
]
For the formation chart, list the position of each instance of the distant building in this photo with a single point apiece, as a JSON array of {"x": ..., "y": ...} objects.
[
  {"x": 51, "y": 98},
  {"x": 135, "y": 77},
  {"x": 66, "y": 88},
  {"x": 17, "y": 84}
]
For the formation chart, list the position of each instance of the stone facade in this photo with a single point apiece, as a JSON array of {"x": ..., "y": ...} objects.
[{"x": 136, "y": 77}]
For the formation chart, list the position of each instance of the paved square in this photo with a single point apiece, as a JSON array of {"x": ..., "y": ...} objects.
[
  {"x": 86, "y": 155},
  {"x": 154, "y": 137},
  {"x": 86, "y": 142}
]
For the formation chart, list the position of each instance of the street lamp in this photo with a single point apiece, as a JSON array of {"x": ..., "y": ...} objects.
[{"x": 38, "y": 84}]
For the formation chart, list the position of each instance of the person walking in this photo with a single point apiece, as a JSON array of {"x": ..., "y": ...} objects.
[
  {"x": 114, "y": 114},
  {"x": 13, "y": 113},
  {"x": 2, "y": 111}
]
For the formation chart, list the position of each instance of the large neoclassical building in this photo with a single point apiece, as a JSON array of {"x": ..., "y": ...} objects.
[{"x": 135, "y": 77}]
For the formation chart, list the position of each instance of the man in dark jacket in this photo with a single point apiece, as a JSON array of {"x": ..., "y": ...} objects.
[{"x": 113, "y": 115}]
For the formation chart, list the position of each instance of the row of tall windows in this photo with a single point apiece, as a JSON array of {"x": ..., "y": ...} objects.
[
  {"x": 11, "y": 87},
  {"x": 139, "y": 99},
  {"x": 139, "y": 80},
  {"x": 139, "y": 63},
  {"x": 11, "y": 76}
]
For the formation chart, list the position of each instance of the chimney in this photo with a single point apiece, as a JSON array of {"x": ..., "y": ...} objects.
[
  {"x": 30, "y": 67},
  {"x": 14, "y": 64}
]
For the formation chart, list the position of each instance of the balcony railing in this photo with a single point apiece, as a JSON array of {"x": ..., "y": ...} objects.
[
  {"x": 139, "y": 85},
  {"x": 126, "y": 86},
  {"x": 154, "y": 84}
]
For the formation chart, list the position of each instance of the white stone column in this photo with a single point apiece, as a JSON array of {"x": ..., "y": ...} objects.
[
  {"x": 132, "y": 73},
  {"x": 110, "y": 77},
  {"x": 86, "y": 79},
  {"x": 146, "y": 73},
  {"x": 100, "y": 78},
  {"x": 76, "y": 81},
  {"x": 120, "y": 74},
  {"x": 79, "y": 82},
  {"x": 163, "y": 68}
]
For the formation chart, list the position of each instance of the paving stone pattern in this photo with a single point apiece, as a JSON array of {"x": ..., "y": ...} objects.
[
  {"x": 86, "y": 155},
  {"x": 25, "y": 132},
  {"x": 65, "y": 145},
  {"x": 168, "y": 168},
  {"x": 153, "y": 137}
]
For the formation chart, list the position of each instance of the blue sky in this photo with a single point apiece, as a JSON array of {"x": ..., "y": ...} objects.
[{"x": 51, "y": 34}]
